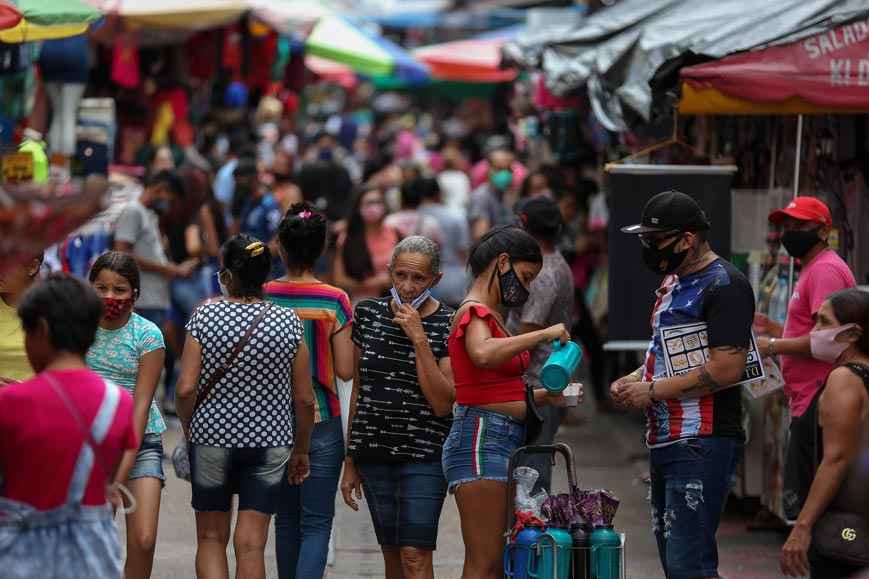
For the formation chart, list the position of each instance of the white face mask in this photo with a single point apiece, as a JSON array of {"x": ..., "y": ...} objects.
[{"x": 417, "y": 302}]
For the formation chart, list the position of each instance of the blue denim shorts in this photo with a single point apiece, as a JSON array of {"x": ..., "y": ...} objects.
[
  {"x": 149, "y": 459},
  {"x": 405, "y": 502},
  {"x": 690, "y": 481},
  {"x": 254, "y": 474},
  {"x": 480, "y": 445}
]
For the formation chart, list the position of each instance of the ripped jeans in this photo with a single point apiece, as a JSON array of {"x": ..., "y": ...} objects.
[{"x": 690, "y": 482}]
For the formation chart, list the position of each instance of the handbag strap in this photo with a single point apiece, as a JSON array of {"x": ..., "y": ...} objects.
[{"x": 221, "y": 372}]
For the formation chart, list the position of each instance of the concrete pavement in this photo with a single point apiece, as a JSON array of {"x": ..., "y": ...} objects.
[{"x": 609, "y": 453}]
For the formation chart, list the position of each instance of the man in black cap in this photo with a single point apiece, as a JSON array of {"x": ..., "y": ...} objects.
[{"x": 701, "y": 335}]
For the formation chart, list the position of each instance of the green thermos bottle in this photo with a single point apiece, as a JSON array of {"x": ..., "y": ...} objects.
[{"x": 605, "y": 546}]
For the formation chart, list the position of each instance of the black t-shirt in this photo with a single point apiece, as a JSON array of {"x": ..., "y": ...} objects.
[
  {"x": 721, "y": 297},
  {"x": 393, "y": 421}
]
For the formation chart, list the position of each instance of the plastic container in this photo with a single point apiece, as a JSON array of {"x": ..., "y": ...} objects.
[
  {"x": 606, "y": 553},
  {"x": 562, "y": 363},
  {"x": 519, "y": 561},
  {"x": 551, "y": 558}
]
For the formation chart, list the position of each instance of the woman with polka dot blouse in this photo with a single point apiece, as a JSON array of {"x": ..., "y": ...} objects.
[{"x": 254, "y": 426}]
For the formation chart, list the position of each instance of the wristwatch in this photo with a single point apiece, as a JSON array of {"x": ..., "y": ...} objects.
[{"x": 770, "y": 347}]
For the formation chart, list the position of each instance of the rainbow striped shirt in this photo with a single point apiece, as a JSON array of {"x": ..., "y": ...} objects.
[{"x": 324, "y": 311}]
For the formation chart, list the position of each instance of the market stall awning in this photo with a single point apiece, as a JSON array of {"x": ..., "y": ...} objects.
[
  {"x": 50, "y": 19},
  {"x": 828, "y": 72},
  {"x": 466, "y": 61},
  {"x": 295, "y": 16},
  {"x": 330, "y": 71},
  {"x": 339, "y": 40},
  {"x": 176, "y": 14},
  {"x": 618, "y": 51},
  {"x": 9, "y": 15}
]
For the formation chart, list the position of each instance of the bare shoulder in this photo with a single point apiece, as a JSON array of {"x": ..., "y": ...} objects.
[{"x": 844, "y": 388}]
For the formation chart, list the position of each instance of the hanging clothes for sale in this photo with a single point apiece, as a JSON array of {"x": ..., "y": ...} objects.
[
  {"x": 125, "y": 61},
  {"x": 64, "y": 65}
]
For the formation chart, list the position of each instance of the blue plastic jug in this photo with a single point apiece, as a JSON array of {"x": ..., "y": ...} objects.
[
  {"x": 605, "y": 553},
  {"x": 562, "y": 363},
  {"x": 551, "y": 558},
  {"x": 518, "y": 561}
]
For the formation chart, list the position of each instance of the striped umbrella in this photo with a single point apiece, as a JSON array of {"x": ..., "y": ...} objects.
[
  {"x": 340, "y": 40},
  {"x": 176, "y": 14},
  {"x": 50, "y": 19}
]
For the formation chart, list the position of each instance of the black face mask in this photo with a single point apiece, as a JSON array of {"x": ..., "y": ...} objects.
[
  {"x": 799, "y": 243},
  {"x": 664, "y": 260},
  {"x": 513, "y": 293}
]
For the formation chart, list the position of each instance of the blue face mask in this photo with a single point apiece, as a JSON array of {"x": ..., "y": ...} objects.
[
  {"x": 417, "y": 302},
  {"x": 501, "y": 180}
]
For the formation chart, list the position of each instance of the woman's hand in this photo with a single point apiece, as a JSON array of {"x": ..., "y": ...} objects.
[
  {"x": 794, "y": 554},
  {"x": 409, "y": 320},
  {"x": 351, "y": 483},
  {"x": 298, "y": 467},
  {"x": 556, "y": 332}
]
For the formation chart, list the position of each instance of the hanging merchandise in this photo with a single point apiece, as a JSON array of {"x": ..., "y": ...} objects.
[
  {"x": 201, "y": 52},
  {"x": 125, "y": 61},
  {"x": 32, "y": 145},
  {"x": 14, "y": 58},
  {"x": 65, "y": 66}
]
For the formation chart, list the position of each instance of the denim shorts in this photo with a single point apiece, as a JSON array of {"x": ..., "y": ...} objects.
[
  {"x": 254, "y": 474},
  {"x": 405, "y": 502},
  {"x": 690, "y": 481},
  {"x": 149, "y": 459},
  {"x": 480, "y": 445}
]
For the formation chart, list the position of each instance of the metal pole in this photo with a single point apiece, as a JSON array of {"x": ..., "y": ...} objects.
[{"x": 797, "y": 160}]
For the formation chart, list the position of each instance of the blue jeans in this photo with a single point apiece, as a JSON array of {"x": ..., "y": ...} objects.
[
  {"x": 303, "y": 524},
  {"x": 690, "y": 483}
]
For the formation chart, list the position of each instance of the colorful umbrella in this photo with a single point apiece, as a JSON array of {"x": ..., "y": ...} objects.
[
  {"x": 9, "y": 15},
  {"x": 295, "y": 16},
  {"x": 466, "y": 61},
  {"x": 176, "y": 14},
  {"x": 330, "y": 71},
  {"x": 337, "y": 39},
  {"x": 33, "y": 217},
  {"x": 50, "y": 19}
]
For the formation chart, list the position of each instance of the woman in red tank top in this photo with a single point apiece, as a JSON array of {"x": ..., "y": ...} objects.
[{"x": 491, "y": 397}]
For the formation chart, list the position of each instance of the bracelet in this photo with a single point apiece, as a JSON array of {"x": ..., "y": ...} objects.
[
  {"x": 770, "y": 348},
  {"x": 652, "y": 392}
]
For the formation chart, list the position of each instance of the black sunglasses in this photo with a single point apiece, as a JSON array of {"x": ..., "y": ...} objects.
[{"x": 652, "y": 239}]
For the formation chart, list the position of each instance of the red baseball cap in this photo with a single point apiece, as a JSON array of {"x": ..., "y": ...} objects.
[{"x": 804, "y": 209}]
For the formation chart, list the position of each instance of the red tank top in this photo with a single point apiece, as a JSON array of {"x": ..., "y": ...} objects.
[{"x": 476, "y": 386}]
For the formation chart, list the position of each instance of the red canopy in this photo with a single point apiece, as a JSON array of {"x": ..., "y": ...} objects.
[
  {"x": 9, "y": 15},
  {"x": 829, "y": 71},
  {"x": 475, "y": 60}
]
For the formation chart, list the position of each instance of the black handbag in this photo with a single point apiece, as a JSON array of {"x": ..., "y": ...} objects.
[{"x": 842, "y": 533}]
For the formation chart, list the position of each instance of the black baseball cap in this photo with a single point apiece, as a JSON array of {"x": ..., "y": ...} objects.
[{"x": 670, "y": 211}]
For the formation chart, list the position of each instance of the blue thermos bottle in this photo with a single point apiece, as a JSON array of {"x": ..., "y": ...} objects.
[
  {"x": 518, "y": 559},
  {"x": 560, "y": 366},
  {"x": 581, "y": 552},
  {"x": 605, "y": 553},
  {"x": 551, "y": 558}
]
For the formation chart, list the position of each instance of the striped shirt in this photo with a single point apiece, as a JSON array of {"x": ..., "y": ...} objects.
[{"x": 325, "y": 310}]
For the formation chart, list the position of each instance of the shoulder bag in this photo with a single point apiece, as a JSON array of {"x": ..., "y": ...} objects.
[{"x": 181, "y": 454}]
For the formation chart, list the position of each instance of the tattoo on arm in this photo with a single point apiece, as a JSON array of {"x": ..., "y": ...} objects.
[{"x": 705, "y": 384}]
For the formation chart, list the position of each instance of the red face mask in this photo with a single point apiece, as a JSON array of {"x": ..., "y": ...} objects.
[{"x": 114, "y": 308}]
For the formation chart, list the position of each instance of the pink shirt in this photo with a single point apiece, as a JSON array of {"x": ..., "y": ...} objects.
[
  {"x": 40, "y": 440},
  {"x": 804, "y": 376}
]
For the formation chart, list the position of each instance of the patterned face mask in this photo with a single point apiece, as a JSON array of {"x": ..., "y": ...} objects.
[
  {"x": 513, "y": 293},
  {"x": 114, "y": 308}
]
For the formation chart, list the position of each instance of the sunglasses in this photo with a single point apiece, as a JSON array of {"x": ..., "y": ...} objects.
[{"x": 652, "y": 239}]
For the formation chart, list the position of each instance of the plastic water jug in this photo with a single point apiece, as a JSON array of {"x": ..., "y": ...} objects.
[
  {"x": 605, "y": 553},
  {"x": 552, "y": 555},
  {"x": 581, "y": 553},
  {"x": 558, "y": 369},
  {"x": 518, "y": 558}
]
